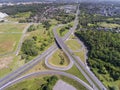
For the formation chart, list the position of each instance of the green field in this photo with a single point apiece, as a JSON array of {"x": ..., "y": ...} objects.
[
  {"x": 8, "y": 42},
  {"x": 77, "y": 47},
  {"x": 81, "y": 54},
  {"x": 10, "y": 35},
  {"x": 73, "y": 44},
  {"x": 111, "y": 19},
  {"x": 12, "y": 27},
  {"x": 108, "y": 25},
  {"x": 11, "y": 63},
  {"x": 19, "y": 16},
  {"x": 57, "y": 60}
]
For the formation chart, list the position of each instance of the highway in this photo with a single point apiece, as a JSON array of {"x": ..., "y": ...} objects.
[
  {"x": 85, "y": 71},
  {"x": 13, "y": 75},
  {"x": 71, "y": 31},
  {"x": 88, "y": 75},
  {"x": 57, "y": 67},
  {"x": 50, "y": 72},
  {"x": 18, "y": 72},
  {"x": 54, "y": 67}
]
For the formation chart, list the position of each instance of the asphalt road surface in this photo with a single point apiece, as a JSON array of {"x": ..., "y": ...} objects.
[
  {"x": 87, "y": 73},
  {"x": 50, "y": 72},
  {"x": 18, "y": 72}
]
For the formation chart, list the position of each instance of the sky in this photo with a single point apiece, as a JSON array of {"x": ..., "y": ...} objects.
[
  {"x": 58, "y": 0},
  {"x": 99, "y": 0}
]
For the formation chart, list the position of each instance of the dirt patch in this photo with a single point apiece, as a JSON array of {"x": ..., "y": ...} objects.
[
  {"x": 7, "y": 45},
  {"x": 4, "y": 62}
]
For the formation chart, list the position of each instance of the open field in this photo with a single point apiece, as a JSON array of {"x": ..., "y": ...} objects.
[
  {"x": 12, "y": 27},
  {"x": 53, "y": 22},
  {"x": 108, "y": 25},
  {"x": 110, "y": 19},
  {"x": 16, "y": 61},
  {"x": 8, "y": 42},
  {"x": 73, "y": 44},
  {"x": 81, "y": 54},
  {"x": 10, "y": 34},
  {"x": 59, "y": 59},
  {"x": 19, "y": 16},
  {"x": 4, "y": 61},
  {"x": 11, "y": 63}
]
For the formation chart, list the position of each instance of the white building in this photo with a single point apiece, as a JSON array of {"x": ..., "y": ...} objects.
[{"x": 2, "y": 16}]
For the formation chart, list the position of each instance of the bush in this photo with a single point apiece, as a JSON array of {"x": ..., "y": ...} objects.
[{"x": 50, "y": 83}]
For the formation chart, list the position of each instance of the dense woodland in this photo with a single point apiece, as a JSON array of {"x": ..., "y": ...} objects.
[
  {"x": 104, "y": 51},
  {"x": 103, "y": 43}
]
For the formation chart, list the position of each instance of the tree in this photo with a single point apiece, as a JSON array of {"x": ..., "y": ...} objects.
[
  {"x": 31, "y": 28},
  {"x": 103, "y": 52},
  {"x": 114, "y": 88},
  {"x": 34, "y": 38},
  {"x": 46, "y": 24},
  {"x": 28, "y": 47}
]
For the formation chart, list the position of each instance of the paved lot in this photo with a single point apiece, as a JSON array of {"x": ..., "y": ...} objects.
[{"x": 61, "y": 85}]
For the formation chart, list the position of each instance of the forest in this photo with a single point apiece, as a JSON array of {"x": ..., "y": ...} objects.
[{"x": 104, "y": 52}]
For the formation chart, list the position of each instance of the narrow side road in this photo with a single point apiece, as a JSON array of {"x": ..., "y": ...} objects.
[{"x": 22, "y": 38}]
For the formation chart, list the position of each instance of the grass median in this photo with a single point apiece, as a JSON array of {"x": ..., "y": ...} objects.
[{"x": 59, "y": 59}]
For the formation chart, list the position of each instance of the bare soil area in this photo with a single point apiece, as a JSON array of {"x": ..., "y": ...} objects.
[{"x": 5, "y": 61}]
